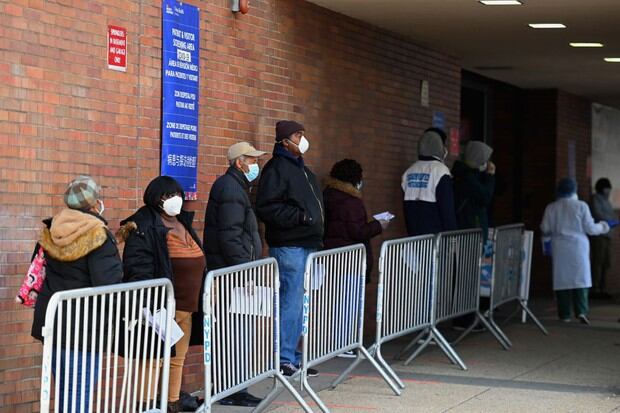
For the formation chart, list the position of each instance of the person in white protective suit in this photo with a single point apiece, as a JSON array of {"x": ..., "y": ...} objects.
[{"x": 567, "y": 222}]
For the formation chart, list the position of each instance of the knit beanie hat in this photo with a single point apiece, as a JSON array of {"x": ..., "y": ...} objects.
[
  {"x": 286, "y": 128},
  {"x": 567, "y": 187},
  {"x": 82, "y": 193},
  {"x": 477, "y": 153},
  {"x": 431, "y": 145}
]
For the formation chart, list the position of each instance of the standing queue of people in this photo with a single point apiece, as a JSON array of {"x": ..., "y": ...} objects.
[{"x": 299, "y": 218}]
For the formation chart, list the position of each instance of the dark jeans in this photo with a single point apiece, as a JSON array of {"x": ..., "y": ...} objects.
[
  {"x": 75, "y": 386},
  {"x": 601, "y": 261}
]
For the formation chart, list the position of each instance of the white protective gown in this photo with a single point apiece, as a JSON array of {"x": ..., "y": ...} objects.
[{"x": 567, "y": 221}]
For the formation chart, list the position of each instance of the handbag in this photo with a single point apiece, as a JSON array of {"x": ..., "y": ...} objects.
[{"x": 33, "y": 281}]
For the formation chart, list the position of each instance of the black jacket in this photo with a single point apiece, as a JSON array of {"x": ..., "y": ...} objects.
[
  {"x": 231, "y": 231},
  {"x": 290, "y": 202},
  {"x": 473, "y": 193},
  {"x": 145, "y": 255},
  {"x": 91, "y": 261}
]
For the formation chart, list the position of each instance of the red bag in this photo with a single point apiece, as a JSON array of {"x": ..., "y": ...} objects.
[{"x": 33, "y": 281}]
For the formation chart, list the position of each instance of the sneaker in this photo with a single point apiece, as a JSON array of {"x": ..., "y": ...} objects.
[
  {"x": 583, "y": 319},
  {"x": 312, "y": 372},
  {"x": 288, "y": 369},
  {"x": 351, "y": 354},
  {"x": 565, "y": 320},
  {"x": 241, "y": 399}
]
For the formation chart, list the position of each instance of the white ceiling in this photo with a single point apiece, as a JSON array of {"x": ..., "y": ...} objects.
[{"x": 492, "y": 36}]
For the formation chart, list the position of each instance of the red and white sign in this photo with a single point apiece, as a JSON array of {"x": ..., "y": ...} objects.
[{"x": 117, "y": 48}]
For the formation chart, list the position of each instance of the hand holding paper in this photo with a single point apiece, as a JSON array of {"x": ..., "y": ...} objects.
[{"x": 384, "y": 216}]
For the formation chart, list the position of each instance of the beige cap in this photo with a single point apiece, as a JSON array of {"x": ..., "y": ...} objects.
[{"x": 243, "y": 149}]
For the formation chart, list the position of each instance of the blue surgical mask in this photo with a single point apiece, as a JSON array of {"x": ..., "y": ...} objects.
[{"x": 252, "y": 174}]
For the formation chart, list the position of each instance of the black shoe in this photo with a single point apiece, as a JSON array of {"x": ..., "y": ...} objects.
[
  {"x": 288, "y": 369},
  {"x": 189, "y": 403},
  {"x": 241, "y": 399},
  {"x": 312, "y": 372}
]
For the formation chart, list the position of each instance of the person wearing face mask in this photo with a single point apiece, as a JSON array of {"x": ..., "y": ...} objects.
[
  {"x": 602, "y": 210},
  {"x": 160, "y": 242},
  {"x": 474, "y": 185},
  {"x": 231, "y": 231},
  {"x": 290, "y": 203},
  {"x": 427, "y": 187},
  {"x": 567, "y": 222},
  {"x": 80, "y": 251}
]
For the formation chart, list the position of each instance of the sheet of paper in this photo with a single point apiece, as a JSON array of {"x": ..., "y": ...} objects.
[
  {"x": 385, "y": 216},
  {"x": 154, "y": 321},
  {"x": 318, "y": 276},
  {"x": 251, "y": 300}
]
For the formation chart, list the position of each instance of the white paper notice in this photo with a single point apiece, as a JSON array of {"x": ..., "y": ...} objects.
[
  {"x": 153, "y": 321},
  {"x": 318, "y": 277},
  {"x": 251, "y": 300},
  {"x": 385, "y": 216}
]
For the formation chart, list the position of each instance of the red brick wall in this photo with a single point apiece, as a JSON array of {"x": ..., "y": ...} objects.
[{"x": 63, "y": 113}]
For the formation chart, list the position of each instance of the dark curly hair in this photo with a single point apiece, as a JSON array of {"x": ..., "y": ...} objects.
[{"x": 347, "y": 170}]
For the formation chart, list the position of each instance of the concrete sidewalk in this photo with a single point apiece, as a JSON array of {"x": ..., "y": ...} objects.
[{"x": 574, "y": 369}]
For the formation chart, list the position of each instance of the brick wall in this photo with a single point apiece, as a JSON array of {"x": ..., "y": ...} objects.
[{"x": 62, "y": 113}]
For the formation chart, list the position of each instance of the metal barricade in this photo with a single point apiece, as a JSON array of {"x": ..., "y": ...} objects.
[
  {"x": 506, "y": 274},
  {"x": 404, "y": 295},
  {"x": 334, "y": 310},
  {"x": 242, "y": 331},
  {"x": 106, "y": 347},
  {"x": 457, "y": 289}
]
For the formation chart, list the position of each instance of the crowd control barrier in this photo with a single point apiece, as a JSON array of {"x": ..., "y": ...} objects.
[
  {"x": 506, "y": 285},
  {"x": 334, "y": 310},
  {"x": 457, "y": 290},
  {"x": 404, "y": 304},
  {"x": 242, "y": 332},
  {"x": 106, "y": 347}
]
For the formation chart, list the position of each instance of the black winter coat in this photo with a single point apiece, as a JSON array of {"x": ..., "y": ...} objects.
[
  {"x": 91, "y": 261},
  {"x": 231, "y": 232},
  {"x": 290, "y": 203},
  {"x": 145, "y": 255},
  {"x": 346, "y": 220},
  {"x": 473, "y": 193}
]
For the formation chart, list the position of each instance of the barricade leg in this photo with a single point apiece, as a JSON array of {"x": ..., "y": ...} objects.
[
  {"x": 417, "y": 352},
  {"x": 495, "y": 327},
  {"x": 448, "y": 350},
  {"x": 411, "y": 344},
  {"x": 293, "y": 392},
  {"x": 383, "y": 373},
  {"x": 480, "y": 319},
  {"x": 306, "y": 386},
  {"x": 533, "y": 317}
]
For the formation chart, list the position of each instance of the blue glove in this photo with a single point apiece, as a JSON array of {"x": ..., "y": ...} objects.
[{"x": 613, "y": 223}]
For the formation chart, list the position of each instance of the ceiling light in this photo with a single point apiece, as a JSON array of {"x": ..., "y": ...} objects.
[
  {"x": 586, "y": 44},
  {"x": 612, "y": 59},
  {"x": 501, "y": 2},
  {"x": 547, "y": 26}
]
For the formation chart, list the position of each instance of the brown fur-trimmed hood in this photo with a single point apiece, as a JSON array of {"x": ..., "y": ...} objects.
[
  {"x": 342, "y": 186},
  {"x": 125, "y": 230},
  {"x": 72, "y": 235}
]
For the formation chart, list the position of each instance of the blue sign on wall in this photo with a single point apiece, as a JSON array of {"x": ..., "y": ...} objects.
[{"x": 180, "y": 76}]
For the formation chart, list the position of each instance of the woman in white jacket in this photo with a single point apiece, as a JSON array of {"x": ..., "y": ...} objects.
[{"x": 568, "y": 221}]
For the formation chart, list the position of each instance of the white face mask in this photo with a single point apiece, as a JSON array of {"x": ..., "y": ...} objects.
[
  {"x": 172, "y": 206},
  {"x": 359, "y": 185},
  {"x": 303, "y": 145},
  {"x": 100, "y": 211},
  {"x": 483, "y": 167}
]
